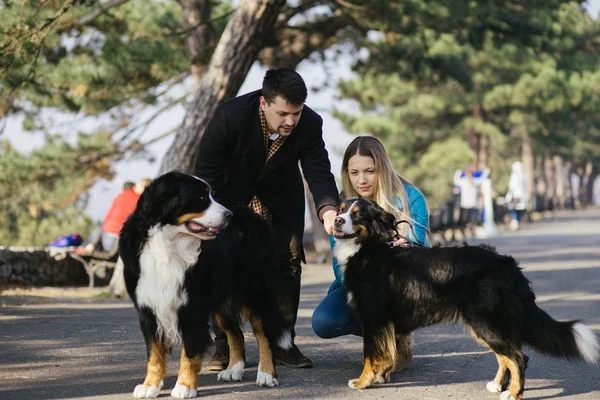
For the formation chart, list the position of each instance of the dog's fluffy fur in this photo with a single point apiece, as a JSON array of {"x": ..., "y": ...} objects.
[
  {"x": 397, "y": 290},
  {"x": 186, "y": 256}
]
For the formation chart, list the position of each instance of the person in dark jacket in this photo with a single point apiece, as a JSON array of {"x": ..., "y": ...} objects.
[{"x": 249, "y": 154}]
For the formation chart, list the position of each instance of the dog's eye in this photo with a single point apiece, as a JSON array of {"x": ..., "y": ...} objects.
[{"x": 356, "y": 214}]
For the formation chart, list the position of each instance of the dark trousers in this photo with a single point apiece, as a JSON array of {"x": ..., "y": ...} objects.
[{"x": 291, "y": 255}]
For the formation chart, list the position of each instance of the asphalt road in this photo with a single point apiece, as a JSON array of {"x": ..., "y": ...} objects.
[{"x": 52, "y": 347}]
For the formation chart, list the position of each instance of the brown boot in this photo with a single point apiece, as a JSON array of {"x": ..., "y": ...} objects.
[
  {"x": 220, "y": 358},
  {"x": 403, "y": 353}
]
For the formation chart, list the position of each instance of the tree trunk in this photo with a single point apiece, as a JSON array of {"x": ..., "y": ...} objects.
[
  {"x": 483, "y": 152},
  {"x": 527, "y": 160},
  {"x": 550, "y": 173},
  {"x": 588, "y": 183},
  {"x": 320, "y": 239},
  {"x": 540, "y": 183},
  {"x": 237, "y": 49},
  {"x": 200, "y": 39},
  {"x": 561, "y": 189},
  {"x": 473, "y": 139}
]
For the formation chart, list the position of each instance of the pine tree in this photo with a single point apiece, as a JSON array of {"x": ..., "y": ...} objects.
[{"x": 445, "y": 98}]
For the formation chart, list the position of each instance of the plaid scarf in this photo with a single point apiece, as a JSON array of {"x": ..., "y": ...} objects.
[{"x": 271, "y": 147}]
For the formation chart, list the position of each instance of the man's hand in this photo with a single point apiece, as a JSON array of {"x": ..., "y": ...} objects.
[{"x": 328, "y": 218}]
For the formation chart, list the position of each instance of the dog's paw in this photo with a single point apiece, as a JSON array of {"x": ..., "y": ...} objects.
[
  {"x": 506, "y": 395},
  {"x": 183, "y": 392},
  {"x": 357, "y": 384},
  {"x": 381, "y": 379},
  {"x": 234, "y": 374},
  {"x": 493, "y": 387},
  {"x": 266, "y": 380},
  {"x": 146, "y": 392}
]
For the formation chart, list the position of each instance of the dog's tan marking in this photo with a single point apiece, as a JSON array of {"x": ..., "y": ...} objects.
[
  {"x": 516, "y": 381},
  {"x": 378, "y": 368},
  {"x": 502, "y": 367},
  {"x": 403, "y": 353},
  {"x": 476, "y": 337},
  {"x": 367, "y": 377},
  {"x": 264, "y": 349},
  {"x": 157, "y": 364},
  {"x": 186, "y": 217},
  {"x": 385, "y": 353},
  {"x": 235, "y": 339},
  {"x": 361, "y": 230},
  {"x": 189, "y": 368},
  {"x": 503, "y": 364},
  {"x": 356, "y": 209}
]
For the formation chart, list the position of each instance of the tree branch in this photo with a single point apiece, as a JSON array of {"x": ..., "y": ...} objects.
[
  {"x": 350, "y": 5},
  {"x": 18, "y": 41},
  {"x": 103, "y": 6},
  {"x": 294, "y": 44}
]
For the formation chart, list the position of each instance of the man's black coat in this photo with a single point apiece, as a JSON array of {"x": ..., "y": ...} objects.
[{"x": 231, "y": 158}]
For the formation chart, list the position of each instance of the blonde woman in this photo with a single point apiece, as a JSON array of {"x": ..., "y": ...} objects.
[{"x": 367, "y": 172}]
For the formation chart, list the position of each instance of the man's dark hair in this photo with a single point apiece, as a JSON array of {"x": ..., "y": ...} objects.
[
  {"x": 284, "y": 82},
  {"x": 128, "y": 185}
]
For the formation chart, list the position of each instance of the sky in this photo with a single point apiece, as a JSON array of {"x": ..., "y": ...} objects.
[
  {"x": 594, "y": 7},
  {"x": 321, "y": 98}
]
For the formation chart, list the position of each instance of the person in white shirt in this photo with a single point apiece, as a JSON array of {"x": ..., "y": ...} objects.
[
  {"x": 517, "y": 196},
  {"x": 469, "y": 198}
]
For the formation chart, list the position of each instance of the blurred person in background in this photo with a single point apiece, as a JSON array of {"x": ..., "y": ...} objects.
[
  {"x": 107, "y": 239},
  {"x": 516, "y": 196},
  {"x": 469, "y": 199}
]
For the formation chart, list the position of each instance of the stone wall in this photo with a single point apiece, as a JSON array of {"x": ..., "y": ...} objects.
[{"x": 37, "y": 267}]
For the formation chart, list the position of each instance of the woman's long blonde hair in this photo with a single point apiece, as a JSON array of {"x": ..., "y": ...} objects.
[{"x": 389, "y": 182}]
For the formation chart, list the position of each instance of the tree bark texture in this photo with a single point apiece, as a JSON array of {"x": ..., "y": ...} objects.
[
  {"x": 550, "y": 194},
  {"x": 237, "y": 49},
  {"x": 528, "y": 168},
  {"x": 196, "y": 14},
  {"x": 292, "y": 45},
  {"x": 560, "y": 181}
]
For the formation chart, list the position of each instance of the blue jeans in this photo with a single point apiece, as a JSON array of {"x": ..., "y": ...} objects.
[
  {"x": 333, "y": 316},
  {"x": 516, "y": 214}
]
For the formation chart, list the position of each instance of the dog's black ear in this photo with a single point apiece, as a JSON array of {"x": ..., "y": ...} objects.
[
  {"x": 389, "y": 219},
  {"x": 384, "y": 223},
  {"x": 159, "y": 199}
]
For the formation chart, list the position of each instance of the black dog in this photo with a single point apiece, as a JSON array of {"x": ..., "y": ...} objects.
[
  {"x": 186, "y": 256},
  {"x": 397, "y": 290}
]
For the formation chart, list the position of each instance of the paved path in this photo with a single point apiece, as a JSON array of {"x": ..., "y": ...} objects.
[{"x": 82, "y": 348}]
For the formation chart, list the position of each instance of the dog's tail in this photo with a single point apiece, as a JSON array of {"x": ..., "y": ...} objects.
[{"x": 565, "y": 339}]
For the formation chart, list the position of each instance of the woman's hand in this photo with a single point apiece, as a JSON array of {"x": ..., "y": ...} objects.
[{"x": 400, "y": 242}]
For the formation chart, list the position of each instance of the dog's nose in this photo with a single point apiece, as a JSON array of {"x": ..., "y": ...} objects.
[
  {"x": 227, "y": 215},
  {"x": 339, "y": 221}
]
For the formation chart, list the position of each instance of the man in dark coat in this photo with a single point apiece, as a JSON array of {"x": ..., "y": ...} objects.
[{"x": 249, "y": 154}]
